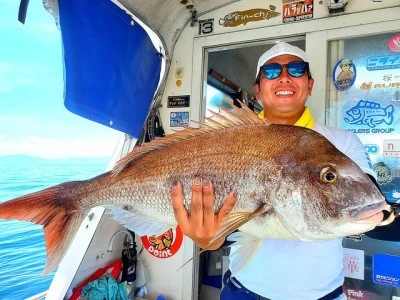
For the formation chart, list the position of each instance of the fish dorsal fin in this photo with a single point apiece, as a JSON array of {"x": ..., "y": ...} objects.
[{"x": 224, "y": 119}]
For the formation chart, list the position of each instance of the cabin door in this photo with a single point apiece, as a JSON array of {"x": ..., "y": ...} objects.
[{"x": 230, "y": 77}]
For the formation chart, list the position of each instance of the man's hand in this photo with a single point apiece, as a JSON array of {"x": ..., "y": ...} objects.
[{"x": 202, "y": 223}]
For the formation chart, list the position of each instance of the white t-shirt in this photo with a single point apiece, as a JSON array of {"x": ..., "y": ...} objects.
[{"x": 292, "y": 269}]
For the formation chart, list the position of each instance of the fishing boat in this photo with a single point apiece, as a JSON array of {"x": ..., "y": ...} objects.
[{"x": 146, "y": 68}]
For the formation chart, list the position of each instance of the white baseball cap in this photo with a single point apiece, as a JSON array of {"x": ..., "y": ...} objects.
[{"x": 280, "y": 48}]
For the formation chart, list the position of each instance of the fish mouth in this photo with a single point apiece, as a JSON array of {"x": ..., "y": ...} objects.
[
  {"x": 388, "y": 216},
  {"x": 372, "y": 213}
]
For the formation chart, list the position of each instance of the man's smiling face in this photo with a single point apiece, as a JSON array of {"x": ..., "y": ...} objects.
[{"x": 284, "y": 98}]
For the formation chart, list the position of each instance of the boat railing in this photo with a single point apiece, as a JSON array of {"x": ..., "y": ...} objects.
[{"x": 40, "y": 296}]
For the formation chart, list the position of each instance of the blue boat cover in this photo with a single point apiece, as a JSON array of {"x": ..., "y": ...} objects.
[{"x": 111, "y": 68}]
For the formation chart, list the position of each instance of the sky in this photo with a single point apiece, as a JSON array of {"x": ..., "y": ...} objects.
[{"x": 33, "y": 119}]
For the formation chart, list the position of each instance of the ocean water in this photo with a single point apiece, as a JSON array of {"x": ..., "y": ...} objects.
[{"x": 22, "y": 248}]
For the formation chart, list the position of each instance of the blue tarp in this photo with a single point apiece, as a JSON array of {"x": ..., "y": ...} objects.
[{"x": 111, "y": 68}]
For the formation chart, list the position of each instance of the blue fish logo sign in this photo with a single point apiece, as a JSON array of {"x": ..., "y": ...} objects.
[{"x": 369, "y": 113}]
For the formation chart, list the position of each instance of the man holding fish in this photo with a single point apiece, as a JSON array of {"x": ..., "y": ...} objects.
[{"x": 277, "y": 268}]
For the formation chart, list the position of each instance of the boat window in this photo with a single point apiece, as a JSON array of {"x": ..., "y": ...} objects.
[
  {"x": 363, "y": 96},
  {"x": 216, "y": 97}
]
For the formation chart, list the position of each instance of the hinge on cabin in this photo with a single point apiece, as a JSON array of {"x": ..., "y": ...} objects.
[{"x": 194, "y": 17}]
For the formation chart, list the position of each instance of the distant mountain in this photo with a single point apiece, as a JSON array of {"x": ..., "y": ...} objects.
[{"x": 26, "y": 159}]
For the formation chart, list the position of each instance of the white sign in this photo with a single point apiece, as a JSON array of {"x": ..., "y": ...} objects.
[
  {"x": 391, "y": 148},
  {"x": 353, "y": 263}
]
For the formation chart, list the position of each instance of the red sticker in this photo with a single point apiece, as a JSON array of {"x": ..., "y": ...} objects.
[
  {"x": 394, "y": 43},
  {"x": 356, "y": 294},
  {"x": 165, "y": 245},
  {"x": 297, "y": 11}
]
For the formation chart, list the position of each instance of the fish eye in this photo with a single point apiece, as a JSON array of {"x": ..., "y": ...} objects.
[{"x": 329, "y": 175}]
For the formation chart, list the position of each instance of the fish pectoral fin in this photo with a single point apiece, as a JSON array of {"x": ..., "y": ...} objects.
[
  {"x": 234, "y": 220},
  {"x": 248, "y": 247},
  {"x": 231, "y": 222},
  {"x": 139, "y": 224},
  {"x": 248, "y": 243}
]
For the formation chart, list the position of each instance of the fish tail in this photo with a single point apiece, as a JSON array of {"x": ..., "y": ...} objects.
[{"x": 57, "y": 210}]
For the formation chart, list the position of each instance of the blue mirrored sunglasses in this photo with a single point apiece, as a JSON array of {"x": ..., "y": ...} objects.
[{"x": 294, "y": 68}]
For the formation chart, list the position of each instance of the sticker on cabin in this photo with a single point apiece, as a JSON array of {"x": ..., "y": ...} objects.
[
  {"x": 386, "y": 269},
  {"x": 356, "y": 294},
  {"x": 179, "y": 119},
  {"x": 394, "y": 43},
  {"x": 293, "y": 11},
  {"x": 178, "y": 101},
  {"x": 371, "y": 148},
  {"x": 366, "y": 86},
  {"x": 396, "y": 95},
  {"x": 206, "y": 26},
  {"x": 393, "y": 196},
  {"x": 369, "y": 117},
  {"x": 353, "y": 263},
  {"x": 179, "y": 72},
  {"x": 383, "y": 172},
  {"x": 391, "y": 148},
  {"x": 251, "y": 15},
  {"x": 344, "y": 74},
  {"x": 164, "y": 245},
  {"x": 384, "y": 84},
  {"x": 383, "y": 62},
  {"x": 370, "y": 113}
]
